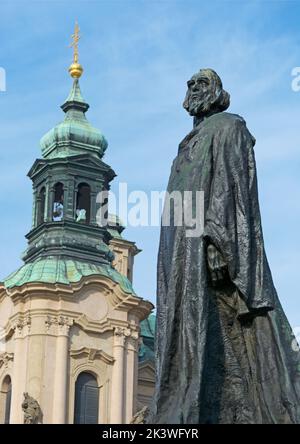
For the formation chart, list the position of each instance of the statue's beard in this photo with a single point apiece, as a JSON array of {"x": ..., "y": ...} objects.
[{"x": 195, "y": 105}]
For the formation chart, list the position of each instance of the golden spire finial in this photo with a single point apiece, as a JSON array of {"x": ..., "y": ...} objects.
[{"x": 75, "y": 69}]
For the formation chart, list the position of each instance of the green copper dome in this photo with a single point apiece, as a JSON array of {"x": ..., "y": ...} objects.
[
  {"x": 59, "y": 270},
  {"x": 75, "y": 135}
]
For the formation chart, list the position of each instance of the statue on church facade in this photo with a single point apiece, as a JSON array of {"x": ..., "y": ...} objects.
[
  {"x": 224, "y": 348},
  {"x": 32, "y": 411}
]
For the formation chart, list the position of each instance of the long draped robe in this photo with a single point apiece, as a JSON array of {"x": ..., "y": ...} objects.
[{"x": 223, "y": 355}]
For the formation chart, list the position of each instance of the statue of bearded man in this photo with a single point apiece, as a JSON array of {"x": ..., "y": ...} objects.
[{"x": 225, "y": 352}]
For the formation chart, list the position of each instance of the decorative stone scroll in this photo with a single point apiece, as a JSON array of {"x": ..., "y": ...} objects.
[
  {"x": 5, "y": 358},
  {"x": 22, "y": 326},
  {"x": 121, "y": 334},
  {"x": 61, "y": 324}
]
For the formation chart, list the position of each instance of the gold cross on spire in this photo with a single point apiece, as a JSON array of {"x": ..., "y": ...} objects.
[
  {"x": 75, "y": 69},
  {"x": 74, "y": 44}
]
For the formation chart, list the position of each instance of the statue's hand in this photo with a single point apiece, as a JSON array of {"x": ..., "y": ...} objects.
[{"x": 216, "y": 265}]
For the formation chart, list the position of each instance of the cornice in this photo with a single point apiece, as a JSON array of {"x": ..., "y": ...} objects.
[
  {"x": 92, "y": 354},
  {"x": 110, "y": 289}
]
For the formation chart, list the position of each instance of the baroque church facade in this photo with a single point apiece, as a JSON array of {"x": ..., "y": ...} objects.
[{"x": 76, "y": 337}]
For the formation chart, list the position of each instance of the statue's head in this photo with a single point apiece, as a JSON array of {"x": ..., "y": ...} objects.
[{"x": 205, "y": 94}]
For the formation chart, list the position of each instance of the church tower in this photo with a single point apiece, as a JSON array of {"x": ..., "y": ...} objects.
[{"x": 70, "y": 316}]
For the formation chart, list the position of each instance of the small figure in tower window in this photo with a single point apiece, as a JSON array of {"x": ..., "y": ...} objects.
[
  {"x": 81, "y": 215},
  {"x": 58, "y": 210}
]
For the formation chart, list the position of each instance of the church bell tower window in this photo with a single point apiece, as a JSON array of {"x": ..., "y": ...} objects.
[
  {"x": 83, "y": 203},
  {"x": 58, "y": 205}
]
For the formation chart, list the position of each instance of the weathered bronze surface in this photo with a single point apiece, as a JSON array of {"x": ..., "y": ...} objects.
[{"x": 225, "y": 352}]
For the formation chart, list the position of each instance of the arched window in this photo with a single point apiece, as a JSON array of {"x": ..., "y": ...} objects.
[
  {"x": 58, "y": 205},
  {"x": 5, "y": 400},
  {"x": 41, "y": 206},
  {"x": 86, "y": 399},
  {"x": 83, "y": 203}
]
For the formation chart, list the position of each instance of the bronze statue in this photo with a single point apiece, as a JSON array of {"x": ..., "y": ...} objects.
[
  {"x": 224, "y": 349},
  {"x": 32, "y": 410}
]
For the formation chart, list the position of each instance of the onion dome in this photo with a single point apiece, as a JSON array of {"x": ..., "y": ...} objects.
[{"x": 75, "y": 135}]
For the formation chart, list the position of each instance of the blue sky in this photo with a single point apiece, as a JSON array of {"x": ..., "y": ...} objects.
[{"x": 137, "y": 57}]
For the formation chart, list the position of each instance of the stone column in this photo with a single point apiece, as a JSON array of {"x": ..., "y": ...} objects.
[
  {"x": 69, "y": 200},
  {"x": 22, "y": 328},
  {"x": 61, "y": 371},
  {"x": 117, "y": 383},
  {"x": 93, "y": 207},
  {"x": 98, "y": 205},
  {"x": 50, "y": 203},
  {"x": 17, "y": 385},
  {"x": 66, "y": 201},
  {"x": 131, "y": 375},
  {"x": 35, "y": 208}
]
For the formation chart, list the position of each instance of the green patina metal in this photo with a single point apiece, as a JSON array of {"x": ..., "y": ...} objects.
[
  {"x": 148, "y": 326},
  {"x": 55, "y": 270},
  {"x": 75, "y": 134},
  {"x": 146, "y": 350},
  {"x": 115, "y": 226}
]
